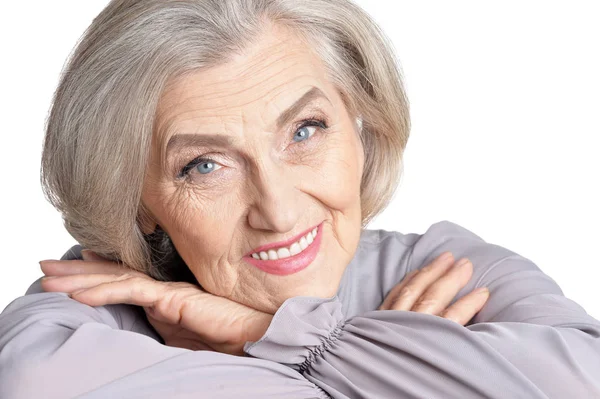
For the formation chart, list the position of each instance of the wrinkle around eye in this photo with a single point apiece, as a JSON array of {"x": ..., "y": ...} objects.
[
  {"x": 187, "y": 157},
  {"x": 307, "y": 152}
]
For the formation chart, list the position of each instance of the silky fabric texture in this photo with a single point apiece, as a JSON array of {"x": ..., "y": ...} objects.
[{"x": 529, "y": 340}]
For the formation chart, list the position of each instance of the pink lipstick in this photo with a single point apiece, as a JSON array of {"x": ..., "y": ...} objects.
[{"x": 291, "y": 264}]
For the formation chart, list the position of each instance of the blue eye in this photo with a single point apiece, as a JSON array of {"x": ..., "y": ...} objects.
[
  {"x": 206, "y": 167},
  {"x": 303, "y": 133},
  {"x": 203, "y": 165}
]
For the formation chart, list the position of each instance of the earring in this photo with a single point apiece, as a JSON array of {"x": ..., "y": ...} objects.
[{"x": 359, "y": 122}]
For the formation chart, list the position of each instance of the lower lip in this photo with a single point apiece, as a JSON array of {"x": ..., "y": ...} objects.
[{"x": 291, "y": 264}]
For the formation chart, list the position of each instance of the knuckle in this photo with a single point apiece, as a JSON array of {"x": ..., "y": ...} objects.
[
  {"x": 425, "y": 302},
  {"x": 406, "y": 293}
]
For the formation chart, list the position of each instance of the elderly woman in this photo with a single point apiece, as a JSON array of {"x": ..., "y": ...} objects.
[{"x": 222, "y": 159}]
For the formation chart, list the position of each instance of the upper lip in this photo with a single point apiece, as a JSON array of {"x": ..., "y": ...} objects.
[{"x": 281, "y": 244}]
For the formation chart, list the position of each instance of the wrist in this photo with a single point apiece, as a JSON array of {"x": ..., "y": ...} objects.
[{"x": 256, "y": 325}]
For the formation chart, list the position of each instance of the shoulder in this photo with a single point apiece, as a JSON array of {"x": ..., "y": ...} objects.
[
  {"x": 461, "y": 242},
  {"x": 380, "y": 238},
  {"x": 384, "y": 257},
  {"x": 445, "y": 236},
  {"x": 389, "y": 244}
]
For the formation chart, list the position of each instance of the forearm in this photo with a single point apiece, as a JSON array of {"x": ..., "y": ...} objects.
[
  {"x": 54, "y": 347},
  {"x": 406, "y": 354}
]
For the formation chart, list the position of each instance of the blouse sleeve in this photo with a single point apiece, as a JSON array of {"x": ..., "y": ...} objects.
[
  {"x": 52, "y": 346},
  {"x": 529, "y": 340}
]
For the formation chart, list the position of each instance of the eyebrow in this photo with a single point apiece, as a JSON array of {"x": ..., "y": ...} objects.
[{"x": 183, "y": 140}]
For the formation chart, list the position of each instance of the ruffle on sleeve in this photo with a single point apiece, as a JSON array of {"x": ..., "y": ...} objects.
[{"x": 301, "y": 329}]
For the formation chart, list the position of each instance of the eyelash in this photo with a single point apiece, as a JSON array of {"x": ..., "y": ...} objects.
[{"x": 316, "y": 121}]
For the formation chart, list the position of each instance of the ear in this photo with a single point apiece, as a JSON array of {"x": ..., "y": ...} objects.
[
  {"x": 146, "y": 221},
  {"x": 148, "y": 228}
]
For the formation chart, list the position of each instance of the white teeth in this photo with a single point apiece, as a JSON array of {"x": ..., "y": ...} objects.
[
  {"x": 294, "y": 249},
  {"x": 283, "y": 253},
  {"x": 303, "y": 243}
]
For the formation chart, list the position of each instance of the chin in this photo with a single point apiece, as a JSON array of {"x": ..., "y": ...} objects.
[{"x": 319, "y": 280}]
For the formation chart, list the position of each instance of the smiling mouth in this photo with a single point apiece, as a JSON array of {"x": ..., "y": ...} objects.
[
  {"x": 286, "y": 251},
  {"x": 291, "y": 258},
  {"x": 286, "y": 245}
]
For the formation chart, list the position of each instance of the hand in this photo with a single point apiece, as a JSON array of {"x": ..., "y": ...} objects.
[
  {"x": 183, "y": 314},
  {"x": 432, "y": 288}
]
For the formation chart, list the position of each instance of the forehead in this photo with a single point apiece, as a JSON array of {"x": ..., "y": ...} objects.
[{"x": 262, "y": 81}]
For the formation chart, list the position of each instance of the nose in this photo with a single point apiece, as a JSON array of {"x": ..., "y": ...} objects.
[{"x": 275, "y": 203}]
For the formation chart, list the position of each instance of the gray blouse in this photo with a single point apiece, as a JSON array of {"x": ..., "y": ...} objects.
[{"x": 529, "y": 340}]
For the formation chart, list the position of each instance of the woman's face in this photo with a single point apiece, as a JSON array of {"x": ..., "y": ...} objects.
[{"x": 258, "y": 151}]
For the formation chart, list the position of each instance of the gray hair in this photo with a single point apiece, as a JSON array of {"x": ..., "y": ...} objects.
[{"x": 103, "y": 115}]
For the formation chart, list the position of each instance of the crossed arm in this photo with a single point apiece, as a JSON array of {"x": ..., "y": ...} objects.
[{"x": 528, "y": 341}]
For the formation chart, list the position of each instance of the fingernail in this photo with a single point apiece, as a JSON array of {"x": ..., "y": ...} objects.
[
  {"x": 462, "y": 262},
  {"x": 482, "y": 290}
]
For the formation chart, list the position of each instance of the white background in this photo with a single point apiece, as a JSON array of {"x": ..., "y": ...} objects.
[{"x": 505, "y": 105}]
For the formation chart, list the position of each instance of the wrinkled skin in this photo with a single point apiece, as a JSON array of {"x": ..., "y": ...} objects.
[{"x": 267, "y": 187}]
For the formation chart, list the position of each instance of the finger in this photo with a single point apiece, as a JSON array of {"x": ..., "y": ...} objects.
[
  {"x": 76, "y": 282},
  {"x": 439, "y": 294},
  {"x": 133, "y": 291},
  {"x": 392, "y": 296},
  {"x": 394, "y": 292},
  {"x": 67, "y": 267},
  {"x": 408, "y": 295},
  {"x": 465, "y": 308}
]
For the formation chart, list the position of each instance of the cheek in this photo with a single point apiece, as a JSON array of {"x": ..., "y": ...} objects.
[
  {"x": 201, "y": 226},
  {"x": 203, "y": 232},
  {"x": 336, "y": 176}
]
